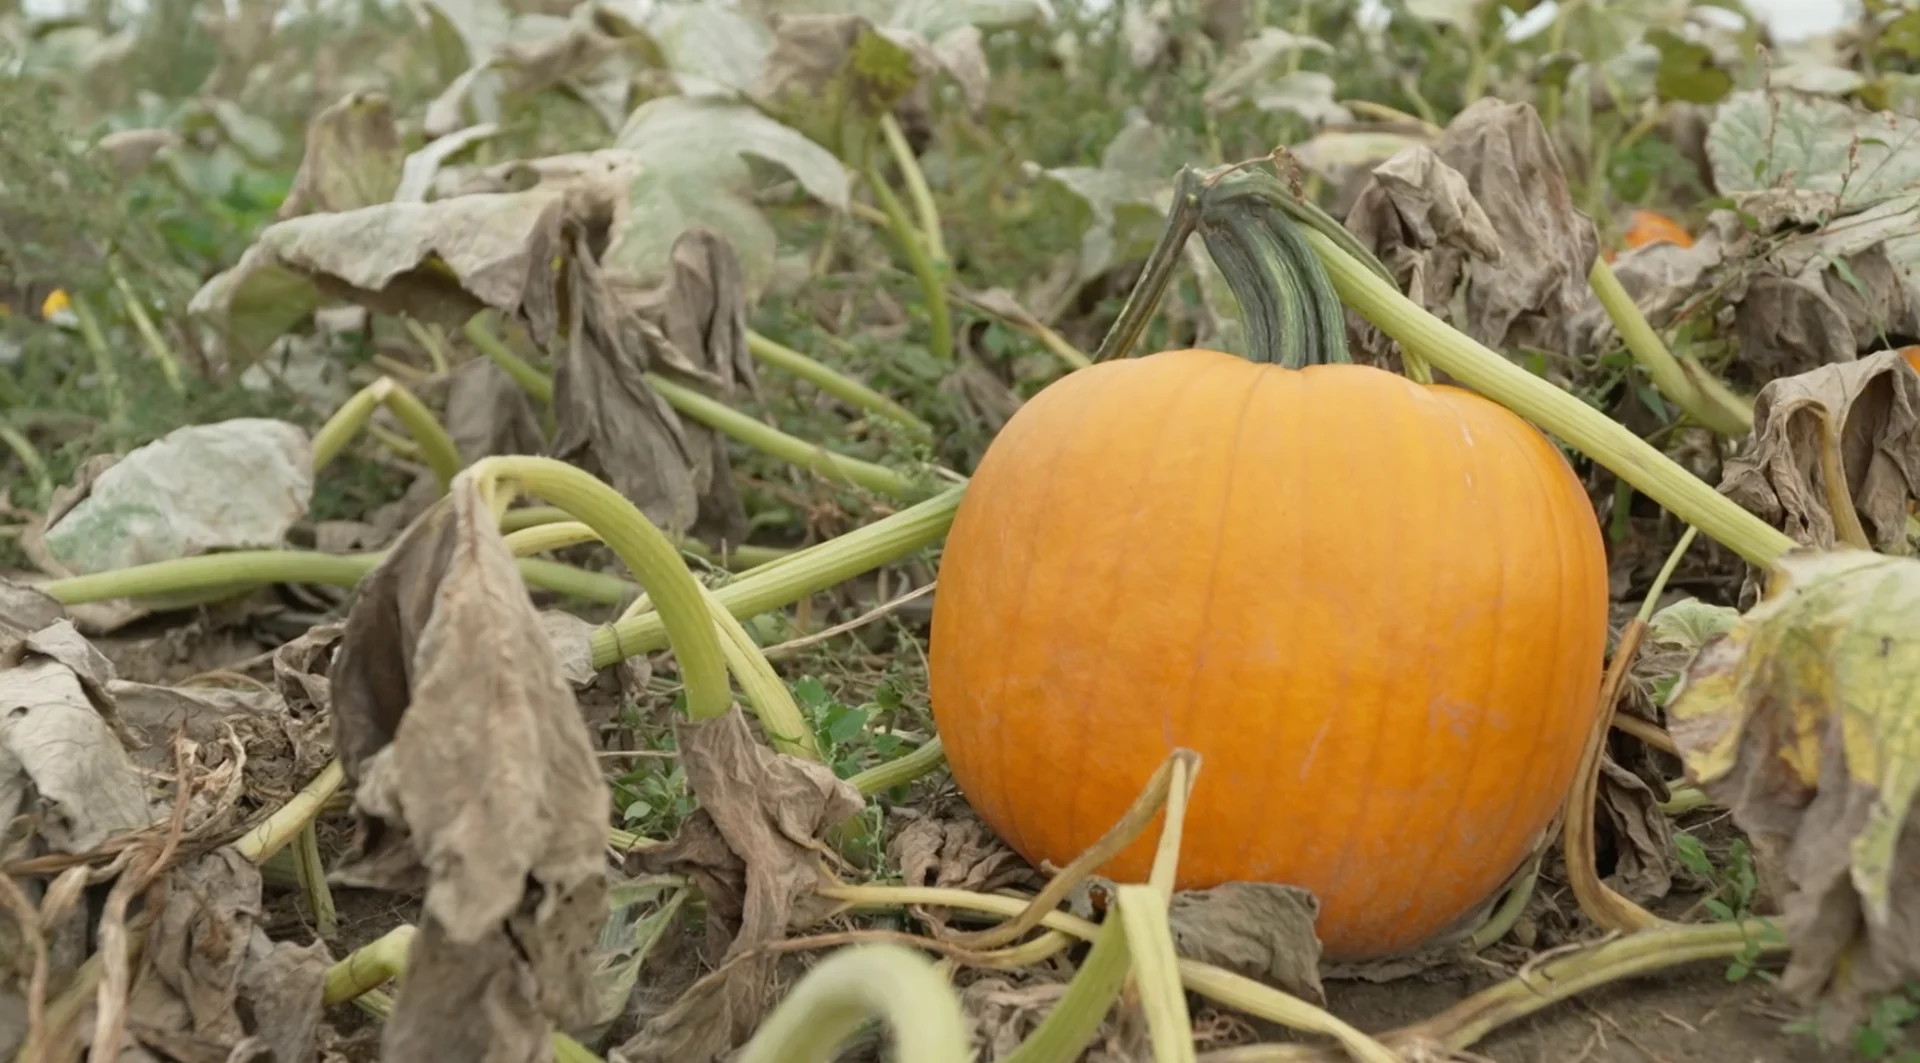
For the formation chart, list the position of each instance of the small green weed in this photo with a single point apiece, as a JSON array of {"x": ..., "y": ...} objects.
[{"x": 1734, "y": 887}]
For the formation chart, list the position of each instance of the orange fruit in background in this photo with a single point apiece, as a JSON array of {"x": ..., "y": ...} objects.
[{"x": 1649, "y": 227}]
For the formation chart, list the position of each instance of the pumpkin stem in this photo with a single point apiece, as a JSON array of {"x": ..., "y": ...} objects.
[
  {"x": 1250, "y": 223},
  {"x": 1292, "y": 314}
]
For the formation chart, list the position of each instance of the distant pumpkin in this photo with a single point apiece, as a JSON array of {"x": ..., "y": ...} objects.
[{"x": 1649, "y": 227}]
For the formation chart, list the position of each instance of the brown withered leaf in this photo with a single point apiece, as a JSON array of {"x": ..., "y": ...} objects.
[
  {"x": 212, "y": 974},
  {"x": 1421, "y": 220},
  {"x": 825, "y": 67},
  {"x": 572, "y": 642},
  {"x": 1873, "y": 406},
  {"x": 770, "y": 810},
  {"x": 475, "y": 777},
  {"x": 957, "y": 852},
  {"x": 487, "y": 413},
  {"x": 1799, "y": 285},
  {"x": 61, "y": 743},
  {"x": 281, "y": 752},
  {"x": 1822, "y": 296},
  {"x": 444, "y": 261},
  {"x": 610, "y": 420},
  {"x": 1801, "y": 720},
  {"x": 1004, "y": 1010},
  {"x": 1530, "y": 292},
  {"x": 1642, "y": 834},
  {"x": 353, "y": 158},
  {"x": 24, "y": 610},
  {"x": 300, "y": 670},
  {"x": 1257, "y": 929},
  {"x": 439, "y": 262}
]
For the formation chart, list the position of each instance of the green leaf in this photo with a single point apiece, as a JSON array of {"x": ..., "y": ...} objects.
[
  {"x": 846, "y": 725},
  {"x": 1823, "y": 145},
  {"x": 811, "y": 693},
  {"x": 693, "y": 172},
  {"x": 1689, "y": 622},
  {"x": 1255, "y": 65},
  {"x": 1127, "y": 195},
  {"x": 1687, "y": 849},
  {"x": 707, "y": 45},
  {"x": 1687, "y": 72}
]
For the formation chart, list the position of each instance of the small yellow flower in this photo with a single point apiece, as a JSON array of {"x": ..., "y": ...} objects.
[{"x": 55, "y": 302}]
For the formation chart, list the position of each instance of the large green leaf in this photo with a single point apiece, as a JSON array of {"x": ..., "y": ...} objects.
[{"x": 1813, "y": 144}]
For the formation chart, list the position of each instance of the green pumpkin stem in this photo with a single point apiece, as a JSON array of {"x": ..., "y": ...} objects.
[
  {"x": 1287, "y": 302},
  {"x": 1251, "y": 226}
]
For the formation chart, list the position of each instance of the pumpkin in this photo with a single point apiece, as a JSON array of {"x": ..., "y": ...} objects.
[
  {"x": 1376, "y": 609},
  {"x": 1649, "y": 227},
  {"x": 1911, "y": 355}
]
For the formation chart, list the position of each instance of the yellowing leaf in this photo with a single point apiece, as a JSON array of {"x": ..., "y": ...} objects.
[{"x": 1805, "y": 720}]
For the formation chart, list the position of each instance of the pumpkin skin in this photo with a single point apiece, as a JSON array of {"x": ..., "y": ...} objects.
[
  {"x": 1650, "y": 227},
  {"x": 1376, "y": 609}
]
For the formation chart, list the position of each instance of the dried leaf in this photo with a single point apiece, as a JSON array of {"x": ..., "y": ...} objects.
[
  {"x": 572, "y": 642},
  {"x": 473, "y": 769},
  {"x": 1420, "y": 219},
  {"x": 770, "y": 809},
  {"x": 280, "y": 758},
  {"x": 58, "y": 748},
  {"x": 1257, "y": 929},
  {"x": 1661, "y": 278},
  {"x": 235, "y": 484},
  {"x": 421, "y": 169},
  {"x": 353, "y": 158},
  {"x": 610, "y": 420},
  {"x": 826, "y": 69},
  {"x": 439, "y": 262},
  {"x": 1874, "y": 407},
  {"x": 300, "y": 670},
  {"x": 212, "y": 972},
  {"x": 1642, "y": 834},
  {"x": 24, "y": 610},
  {"x": 1801, "y": 721},
  {"x": 957, "y": 853},
  {"x": 1530, "y": 294},
  {"x": 1004, "y": 1010},
  {"x": 487, "y": 413}
]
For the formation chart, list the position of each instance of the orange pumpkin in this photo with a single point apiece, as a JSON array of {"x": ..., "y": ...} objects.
[
  {"x": 1376, "y": 609},
  {"x": 1912, "y": 357},
  {"x": 1648, "y": 227}
]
